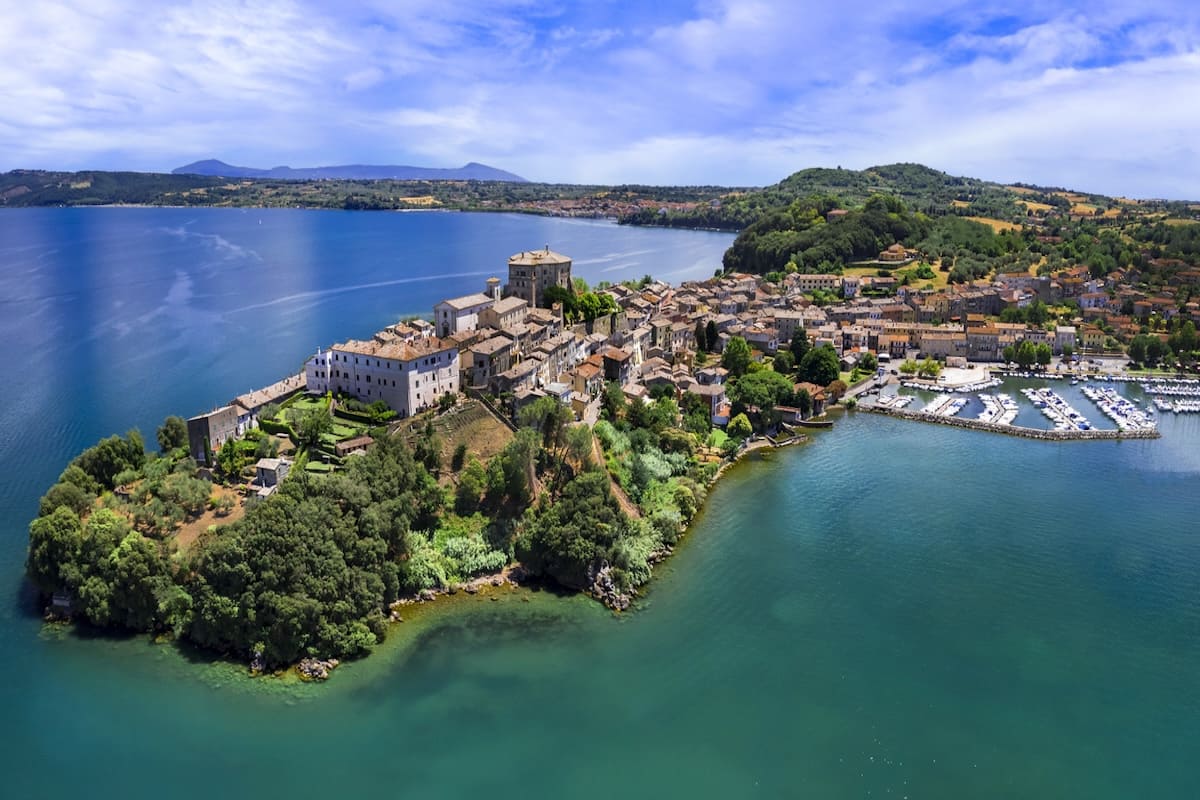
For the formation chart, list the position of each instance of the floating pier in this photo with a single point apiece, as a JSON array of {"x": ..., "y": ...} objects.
[{"x": 1014, "y": 430}]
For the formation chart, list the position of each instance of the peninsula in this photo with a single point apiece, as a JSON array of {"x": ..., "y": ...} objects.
[{"x": 545, "y": 429}]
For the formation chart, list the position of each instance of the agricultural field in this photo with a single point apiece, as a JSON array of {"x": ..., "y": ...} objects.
[
  {"x": 997, "y": 225},
  {"x": 1037, "y": 208}
]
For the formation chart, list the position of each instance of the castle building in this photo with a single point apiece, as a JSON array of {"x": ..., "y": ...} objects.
[{"x": 531, "y": 272}]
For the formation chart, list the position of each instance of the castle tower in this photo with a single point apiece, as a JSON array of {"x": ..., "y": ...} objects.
[{"x": 531, "y": 272}]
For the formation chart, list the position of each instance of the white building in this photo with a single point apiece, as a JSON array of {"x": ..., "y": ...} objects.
[
  {"x": 460, "y": 314},
  {"x": 409, "y": 376},
  {"x": 1064, "y": 336},
  {"x": 505, "y": 314}
]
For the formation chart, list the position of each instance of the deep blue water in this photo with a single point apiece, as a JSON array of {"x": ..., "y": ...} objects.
[{"x": 891, "y": 610}]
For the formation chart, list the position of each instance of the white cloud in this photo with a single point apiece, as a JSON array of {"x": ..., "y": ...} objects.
[{"x": 729, "y": 91}]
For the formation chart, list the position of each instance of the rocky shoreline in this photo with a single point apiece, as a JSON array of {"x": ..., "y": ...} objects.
[{"x": 1012, "y": 430}]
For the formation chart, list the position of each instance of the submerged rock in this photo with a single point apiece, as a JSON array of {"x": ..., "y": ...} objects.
[
  {"x": 258, "y": 664},
  {"x": 604, "y": 589},
  {"x": 314, "y": 669}
]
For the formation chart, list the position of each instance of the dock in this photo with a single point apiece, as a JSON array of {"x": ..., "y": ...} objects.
[{"x": 1014, "y": 430}]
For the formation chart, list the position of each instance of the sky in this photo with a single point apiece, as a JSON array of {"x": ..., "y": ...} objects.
[{"x": 1100, "y": 96}]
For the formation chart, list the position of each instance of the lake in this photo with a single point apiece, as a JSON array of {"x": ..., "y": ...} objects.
[{"x": 890, "y": 610}]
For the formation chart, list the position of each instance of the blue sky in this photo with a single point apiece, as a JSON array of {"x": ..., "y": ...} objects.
[{"x": 1099, "y": 95}]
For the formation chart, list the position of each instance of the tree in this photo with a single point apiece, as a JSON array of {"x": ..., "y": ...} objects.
[
  {"x": 579, "y": 445},
  {"x": 568, "y": 539},
  {"x": 820, "y": 365},
  {"x": 799, "y": 345},
  {"x": 230, "y": 460},
  {"x": 459, "y": 458},
  {"x": 310, "y": 425},
  {"x": 103, "y": 460},
  {"x": 54, "y": 544},
  {"x": 784, "y": 362},
  {"x": 550, "y": 419},
  {"x": 1067, "y": 352},
  {"x": 836, "y": 389},
  {"x": 65, "y": 494},
  {"x": 1026, "y": 354},
  {"x": 739, "y": 427},
  {"x": 736, "y": 357},
  {"x": 929, "y": 368},
  {"x": 761, "y": 390},
  {"x": 428, "y": 448},
  {"x": 1009, "y": 353},
  {"x": 612, "y": 402},
  {"x": 1037, "y": 313},
  {"x": 172, "y": 434},
  {"x": 697, "y": 415},
  {"x": 1137, "y": 349},
  {"x": 712, "y": 336},
  {"x": 909, "y": 367},
  {"x": 471, "y": 485},
  {"x": 804, "y": 403},
  {"x": 557, "y": 294},
  {"x": 1156, "y": 350},
  {"x": 701, "y": 336},
  {"x": 1043, "y": 354},
  {"x": 869, "y": 362}
]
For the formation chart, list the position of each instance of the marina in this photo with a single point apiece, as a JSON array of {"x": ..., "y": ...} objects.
[
  {"x": 1057, "y": 410},
  {"x": 1025, "y": 405},
  {"x": 999, "y": 409},
  {"x": 1177, "y": 406},
  {"x": 1125, "y": 413},
  {"x": 945, "y": 406},
  {"x": 895, "y": 400}
]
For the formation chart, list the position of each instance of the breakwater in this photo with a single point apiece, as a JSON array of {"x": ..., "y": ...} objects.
[{"x": 1011, "y": 430}]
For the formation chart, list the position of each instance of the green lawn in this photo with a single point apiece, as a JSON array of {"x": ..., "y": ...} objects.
[{"x": 302, "y": 404}]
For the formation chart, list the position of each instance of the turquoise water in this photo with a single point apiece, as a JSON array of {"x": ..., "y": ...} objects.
[{"x": 893, "y": 609}]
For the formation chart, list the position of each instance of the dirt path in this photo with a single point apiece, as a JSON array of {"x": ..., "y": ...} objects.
[{"x": 623, "y": 500}]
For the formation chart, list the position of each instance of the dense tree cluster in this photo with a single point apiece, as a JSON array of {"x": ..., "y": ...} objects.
[
  {"x": 579, "y": 306},
  {"x": 309, "y": 571},
  {"x": 798, "y": 237}
]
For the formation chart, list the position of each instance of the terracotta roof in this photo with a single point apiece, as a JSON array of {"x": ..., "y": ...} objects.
[
  {"x": 396, "y": 351},
  {"x": 467, "y": 301},
  {"x": 530, "y": 258},
  {"x": 269, "y": 394}
]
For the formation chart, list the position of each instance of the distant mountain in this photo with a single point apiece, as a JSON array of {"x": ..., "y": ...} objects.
[{"x": 471, "y": 172}]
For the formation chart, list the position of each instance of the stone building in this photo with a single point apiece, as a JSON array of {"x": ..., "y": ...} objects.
[{"x": 531, "y": 272}]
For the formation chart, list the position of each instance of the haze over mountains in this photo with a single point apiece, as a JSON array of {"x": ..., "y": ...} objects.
[{"x": 473, "y": 171}]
